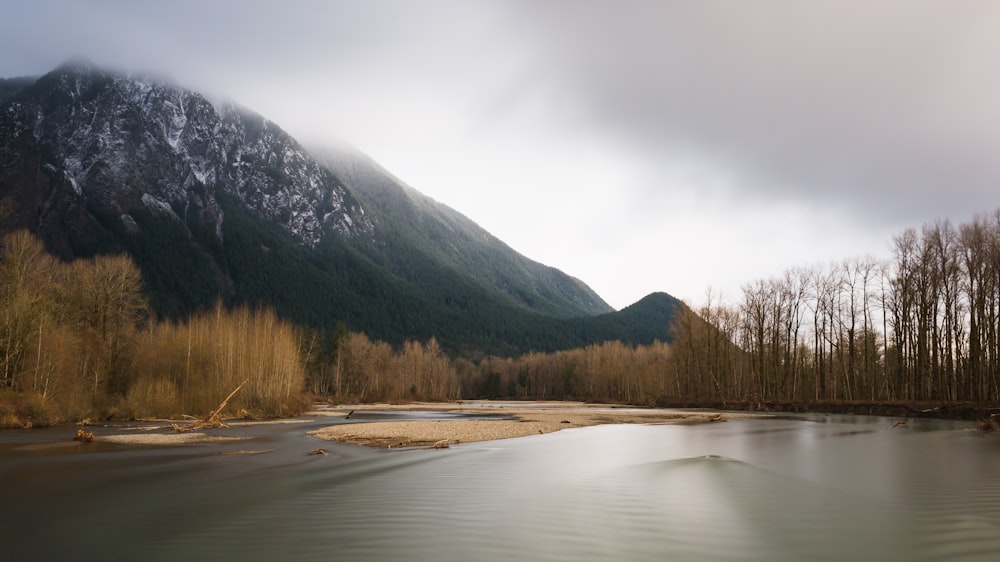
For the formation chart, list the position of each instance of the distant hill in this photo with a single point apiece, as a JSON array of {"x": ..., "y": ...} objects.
[{"x": 216, "y": 202}]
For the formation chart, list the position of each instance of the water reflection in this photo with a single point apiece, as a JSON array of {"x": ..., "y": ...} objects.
[{"x": 817, "y": 488}]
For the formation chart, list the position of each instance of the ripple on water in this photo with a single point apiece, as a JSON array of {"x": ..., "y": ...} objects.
[
  {"x": 963, "y": 525},
  {"x": 749, "y": 489}
]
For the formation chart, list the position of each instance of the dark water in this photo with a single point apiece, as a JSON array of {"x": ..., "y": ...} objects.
[{"x": 814, "y": 488}]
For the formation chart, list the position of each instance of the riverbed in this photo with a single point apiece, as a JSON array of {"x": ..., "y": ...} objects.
[{"x": 808, "y": 487}]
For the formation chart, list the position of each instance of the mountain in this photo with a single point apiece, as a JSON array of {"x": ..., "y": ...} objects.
[
  {"x": 11, "y": 86},
  {"x": 412, "y": 223},
  {"x": 118, "y": 144},
  {"x": 216, "y": 202}
]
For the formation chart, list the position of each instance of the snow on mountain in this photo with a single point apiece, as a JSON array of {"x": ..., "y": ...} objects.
[{"x": 123, "y": 142}]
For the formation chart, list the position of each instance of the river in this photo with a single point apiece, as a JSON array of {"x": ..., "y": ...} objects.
[{"x": 807, "y": 487}]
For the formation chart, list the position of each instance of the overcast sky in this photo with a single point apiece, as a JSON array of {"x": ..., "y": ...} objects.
[{"x": 639, "y": 146}]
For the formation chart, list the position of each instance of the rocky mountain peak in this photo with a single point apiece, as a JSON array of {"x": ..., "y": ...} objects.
[{"x": 114, "y": 143}]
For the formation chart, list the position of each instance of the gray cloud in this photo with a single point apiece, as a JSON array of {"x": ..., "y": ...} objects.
[
  {"x": 886, "y": 106},
  {"x": 883, "y": 108}
]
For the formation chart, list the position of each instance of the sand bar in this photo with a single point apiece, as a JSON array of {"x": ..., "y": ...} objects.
[
  {"x": 528, "y": 418},
  {"x": 168, "y": 438}
]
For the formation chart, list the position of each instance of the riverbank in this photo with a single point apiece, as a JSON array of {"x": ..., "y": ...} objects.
[
  {"x": 503, "y": 420},
  {"x": 426, "y": 424},
  {"x": 418, "y": 424},
  {"x": 967, "y": 411}
]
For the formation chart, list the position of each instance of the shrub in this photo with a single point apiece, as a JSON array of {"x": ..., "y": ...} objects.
[
  {"x": 153, "y": 396},
  {"x": 22, "y": 410}
]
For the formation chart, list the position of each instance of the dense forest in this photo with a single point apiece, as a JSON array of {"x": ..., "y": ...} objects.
[{"x": 78, "y": 339}]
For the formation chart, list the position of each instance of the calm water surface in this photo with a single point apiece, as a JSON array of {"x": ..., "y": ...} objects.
[{"x": 810, "y": 488}]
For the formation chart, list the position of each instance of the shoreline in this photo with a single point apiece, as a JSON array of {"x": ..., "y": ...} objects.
[
  {"x": 383, "y": 425},
  {"x": 960, "y": 411},
  {"x": 428, "y": 424},
  {"x": 417, "y": 424}
]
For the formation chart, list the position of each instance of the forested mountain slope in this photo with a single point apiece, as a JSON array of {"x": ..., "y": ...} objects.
[
  {"x": 412, "y": 223},
  {"x": 215, "y": 202}
]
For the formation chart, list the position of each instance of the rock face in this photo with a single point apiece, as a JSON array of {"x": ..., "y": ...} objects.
[{"x": 85, "y": 149}]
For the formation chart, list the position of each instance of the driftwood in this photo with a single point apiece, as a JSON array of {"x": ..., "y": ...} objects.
[
  {"x": 84, "y": 436},
  {"x": 212, "y": 420},
  {"x": 988, "y": 425},
  {"x": 944, "y": 408}
]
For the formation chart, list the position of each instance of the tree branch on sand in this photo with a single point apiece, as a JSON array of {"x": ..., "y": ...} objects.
[{"x": 212, "y": 420}]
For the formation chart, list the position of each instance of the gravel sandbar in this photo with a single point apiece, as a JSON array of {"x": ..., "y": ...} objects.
[
  {"x": 168, "y": 438},
  {"x": 528, "y": 419}
]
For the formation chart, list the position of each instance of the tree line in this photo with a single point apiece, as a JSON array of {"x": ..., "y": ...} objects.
[
  {"x": 358, "y": 369},
  {"x": 921, "y": 325},
  {"x": 352, "y": 367}
]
